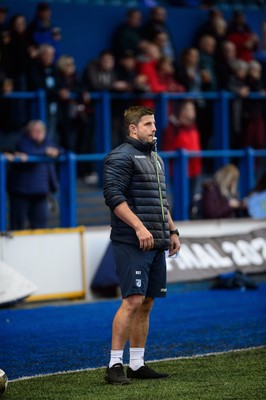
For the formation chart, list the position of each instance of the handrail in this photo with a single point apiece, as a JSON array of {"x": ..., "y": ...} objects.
[{"x": 179, "y": 187}]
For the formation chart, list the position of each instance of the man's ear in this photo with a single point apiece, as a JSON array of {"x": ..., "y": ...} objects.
[{"x": 132, "y": 128}]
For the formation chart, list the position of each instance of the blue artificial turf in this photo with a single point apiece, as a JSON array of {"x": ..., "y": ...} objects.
[{"x": 49, "y": 339}]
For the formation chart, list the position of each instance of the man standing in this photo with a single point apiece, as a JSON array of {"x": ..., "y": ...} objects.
[{"x": 142, "y": 229}]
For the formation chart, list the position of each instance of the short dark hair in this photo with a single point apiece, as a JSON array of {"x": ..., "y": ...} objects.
[{"x": 133, "y": 115}]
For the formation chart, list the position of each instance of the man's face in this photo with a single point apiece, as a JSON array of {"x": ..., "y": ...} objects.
[
  {"x": 145, "y": 130},
  {"x": 37, "y": 133}
]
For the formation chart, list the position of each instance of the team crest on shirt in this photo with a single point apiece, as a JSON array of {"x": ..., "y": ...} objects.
[{"x": 138, "y": 282}]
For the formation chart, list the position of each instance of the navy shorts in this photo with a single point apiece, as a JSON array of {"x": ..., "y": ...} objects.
[{"x": 140, "y": 272}]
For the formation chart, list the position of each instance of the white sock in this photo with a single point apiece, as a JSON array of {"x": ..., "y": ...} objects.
[
  {"x": 136, "y": 359},
  {"x": 116, "y": 357}
]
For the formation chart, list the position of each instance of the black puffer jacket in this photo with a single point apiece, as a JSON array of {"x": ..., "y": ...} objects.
[{"x": 130, "y": 175}]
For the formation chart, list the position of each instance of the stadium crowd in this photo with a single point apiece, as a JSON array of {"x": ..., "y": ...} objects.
[{"x": 141, "y": 59}]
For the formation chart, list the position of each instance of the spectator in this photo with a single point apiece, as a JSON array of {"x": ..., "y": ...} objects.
[
  {"x": 254, "y": 130},
  {"x": 166, "y": 72},
  {"x": 100, "y": 74},
  {"x": 157, "y": 23},
  {"x": 207, "y": 46},
  {"x": 126, "y": 70},
  {"x": 224, "y": 64},
  {"x": 30, "y": 184},
  {"x": 182, "y": 133},
  {"x": 188, "y": 72},
  {"x": 6, "y": 87},
  {"x": 238, "y": 85},
  {"x": 241, "y": 35},
  {"x": 147, "y": 66},
  {"x": 17, "y": 64},
  {"x": 40, "y": 29},
  {"x": 128, "y": 35},
  {"x": 256, "y": 201},
  {"x": 69, "y": 104},
  {"x": 220, "y": 196},
  {"x": 161, "y": 39},
  {"x": 207, "y": 65},
  {"x": 209, "y": 26},
  {"x": 3, "y": 18},
  {"x": 43, "y": 75}
]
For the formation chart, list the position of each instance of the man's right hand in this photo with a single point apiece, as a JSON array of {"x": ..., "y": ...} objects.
[{"x": 146, "y": 241}]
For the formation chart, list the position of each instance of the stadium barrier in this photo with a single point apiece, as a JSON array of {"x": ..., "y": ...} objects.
[
  {"x": 178, "y": 185},
  {"x": 72, "y": 263},
  {"x": 179, "y": 189}
]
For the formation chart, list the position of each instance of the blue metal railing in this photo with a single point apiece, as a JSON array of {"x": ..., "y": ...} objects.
[
  {"x": 102, "y": 105},
  {"x": 179, "y": 186}
]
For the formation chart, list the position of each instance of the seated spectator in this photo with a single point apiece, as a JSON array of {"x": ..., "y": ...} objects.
[
  {"x": 128, "y": 35},
  {"x": 126, "y": 71},
  {"x": 40, "y": 29},
  {"x": 224, "y": 64},
  {"x": 17, "y": 62},
  {"x": 256, "y": 201},
  {"x": 241, "y": 35},
  {"x": 161, "y": 39},
  {"x": 30, "y": 184},
  {"x": 238, "y": 84},
  {"x": 254, "y": 129},
  {"x": 100, "y": 74},
  {"x": 3, "y": 19},
  {"x": 70, "y": 104},
  {"x": 220, "y": 195},
  {"x": 207, "y": 63},
  {"x": 182, "y": 133},
  {"x": 209, "y": 27},
  {"x": 156, "y": 23},
  {"x": 188, "y": 72},
  {"x": 147, "y": 66},
  {"x": 166, "y": 72},
  {"x": 43, "y": 75}
]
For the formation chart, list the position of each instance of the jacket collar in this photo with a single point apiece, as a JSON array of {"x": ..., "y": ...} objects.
[{"x": 144, "y": 147}]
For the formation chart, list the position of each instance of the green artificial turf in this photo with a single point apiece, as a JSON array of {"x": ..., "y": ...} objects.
[{"x": 235, "y": 375}]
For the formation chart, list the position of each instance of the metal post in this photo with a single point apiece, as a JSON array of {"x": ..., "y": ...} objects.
[
  {"x": 67, "y": 196},
  {"x": 161, "y": 115},
  {"x": 221, "y": 137},
  {"x": 41, "y": 104},
  {"x": 181, "y": 187},
  {"x": 247, "y": 175},
  {"x": 3, "y": 222}
]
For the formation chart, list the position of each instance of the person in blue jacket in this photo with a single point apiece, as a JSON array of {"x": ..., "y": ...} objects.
[{"x": 29, "y": 184}]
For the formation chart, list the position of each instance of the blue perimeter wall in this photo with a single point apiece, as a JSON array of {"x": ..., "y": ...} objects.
[{"x": 86, "y": 29}]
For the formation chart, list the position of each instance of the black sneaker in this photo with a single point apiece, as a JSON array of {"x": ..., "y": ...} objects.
[
  {"x": 145, "y": 373},
  {"x": 116, "y": 375}
]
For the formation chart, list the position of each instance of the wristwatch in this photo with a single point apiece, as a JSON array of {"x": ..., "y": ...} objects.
[{"x": 174, "y": 232}]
